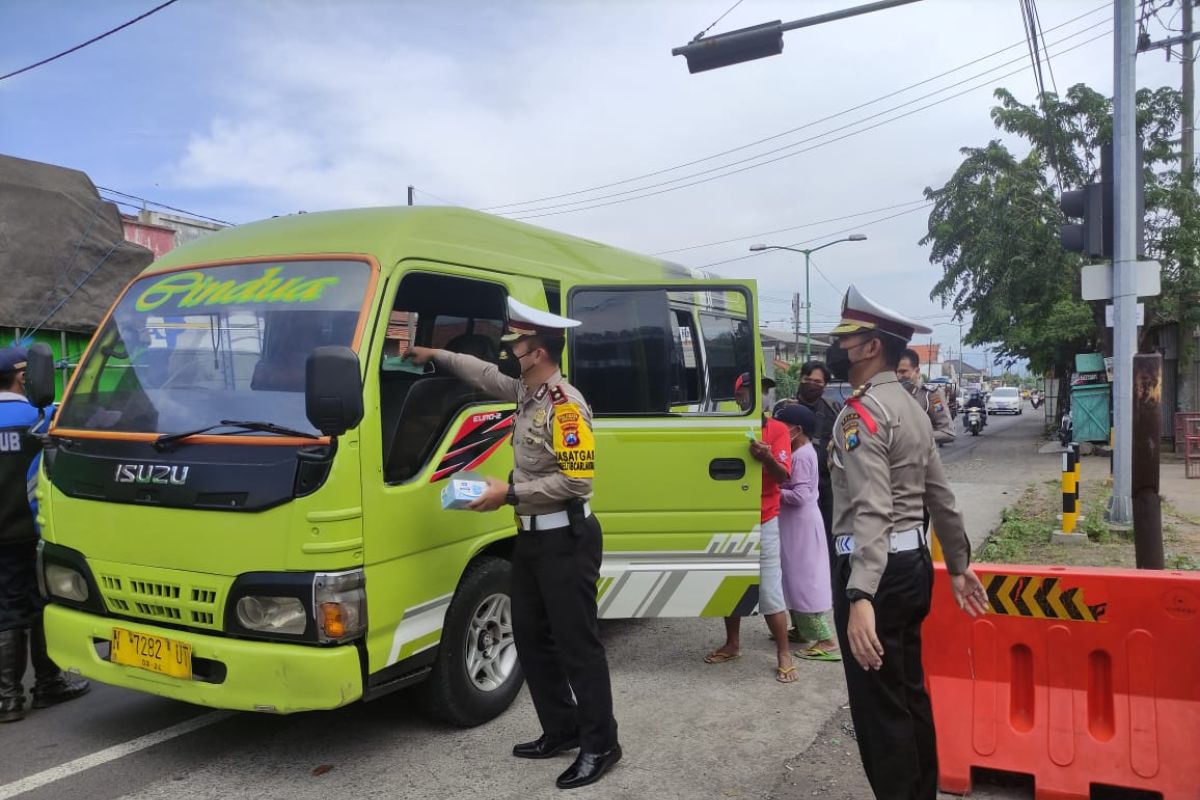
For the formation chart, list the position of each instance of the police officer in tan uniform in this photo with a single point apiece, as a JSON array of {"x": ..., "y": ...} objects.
[
  {"x": 930, "y": 398},
  {"x": 885, "y": 468},
  {"x": 556, "y": 560}
]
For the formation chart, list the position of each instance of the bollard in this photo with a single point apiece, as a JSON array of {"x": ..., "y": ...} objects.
[
  {"x": 1070, "y": 498},
  {"x": 1078, "y": 510}
]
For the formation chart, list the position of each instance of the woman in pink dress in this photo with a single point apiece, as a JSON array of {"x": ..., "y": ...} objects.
[{"x": 803, "y": 549}]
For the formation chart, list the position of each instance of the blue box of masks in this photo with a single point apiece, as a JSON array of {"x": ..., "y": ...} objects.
[{"x": 461, "y": 490}]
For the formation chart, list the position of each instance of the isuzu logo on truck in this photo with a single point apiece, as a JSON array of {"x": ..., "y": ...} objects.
[{"x": 152, "y": 473}]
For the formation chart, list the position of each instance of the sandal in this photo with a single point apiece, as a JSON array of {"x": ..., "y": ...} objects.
[
  {"x": 817, "y": 654},
  {"x": 720, "y": 657},
  {"x": 785, "y": 674}
]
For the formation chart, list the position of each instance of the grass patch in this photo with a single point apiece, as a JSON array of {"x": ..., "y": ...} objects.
[
  {"x": 1022, "y": 528},
  {"x": 1182, "y": 561}
]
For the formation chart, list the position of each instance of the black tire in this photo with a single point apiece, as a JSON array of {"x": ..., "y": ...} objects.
[
  {"x": 449, "y": 694},
  {"x": 974, "y": 432}
]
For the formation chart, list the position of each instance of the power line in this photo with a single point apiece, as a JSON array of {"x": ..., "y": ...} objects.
[
  {"x": 435, "y": 197},
  {"x": 792, "y": 130},
  {"x": 700, "y": 35},
  {"x": 164, "y": 205},
  {"x": 824, "y": 236},
  {"x": 93, "y": 40},
  {"x": 785, "y": 230},
  {"x": 621, "y": 198}
]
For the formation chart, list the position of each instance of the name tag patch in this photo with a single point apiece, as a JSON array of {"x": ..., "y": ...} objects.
[{"x": 574, "y": 443}]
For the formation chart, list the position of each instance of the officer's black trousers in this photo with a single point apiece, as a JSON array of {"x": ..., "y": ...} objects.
[
  {"x": 893, "y": 719},
  {"x": 20, "y": 602},
  {"x": 554, "y": 626}
]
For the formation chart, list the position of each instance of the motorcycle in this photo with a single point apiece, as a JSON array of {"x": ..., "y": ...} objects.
[{"x": 974, "y": 421}]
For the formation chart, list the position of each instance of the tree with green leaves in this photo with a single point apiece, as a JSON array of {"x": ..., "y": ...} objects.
[{"x": 994, "y": 226}]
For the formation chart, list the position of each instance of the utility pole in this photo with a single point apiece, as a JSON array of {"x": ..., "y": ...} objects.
[
  {"x": 1124, "y": 262},
  {"x": 411, "y": 190},
  {"x": 796, "y": 322},
  {"x": 1187, "y": 391}
]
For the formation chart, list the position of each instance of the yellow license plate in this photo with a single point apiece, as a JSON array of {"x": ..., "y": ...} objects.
[{"x": 154, "y": 653}]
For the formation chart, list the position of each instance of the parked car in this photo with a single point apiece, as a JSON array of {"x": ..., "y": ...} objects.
[{"x": 1005, "y": 400}]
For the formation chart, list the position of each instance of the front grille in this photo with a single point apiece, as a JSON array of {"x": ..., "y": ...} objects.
[{"x": 161, "y": 595}]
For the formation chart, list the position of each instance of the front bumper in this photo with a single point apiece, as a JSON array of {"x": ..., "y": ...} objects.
[{"x": 276, "y": 677}]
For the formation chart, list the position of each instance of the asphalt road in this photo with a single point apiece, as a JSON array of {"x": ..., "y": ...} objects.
[{"x": 689, "y": 729}]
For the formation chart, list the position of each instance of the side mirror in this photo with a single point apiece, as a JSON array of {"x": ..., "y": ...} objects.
[
  {"x": 333, "y": 395},
  {"x": 39, "y": 375}
]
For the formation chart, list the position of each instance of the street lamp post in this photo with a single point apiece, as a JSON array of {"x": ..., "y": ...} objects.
[{"x": 854, "y": 237}]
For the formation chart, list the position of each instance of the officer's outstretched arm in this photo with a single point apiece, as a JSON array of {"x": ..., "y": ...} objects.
[{"x": 480, "y": 373}]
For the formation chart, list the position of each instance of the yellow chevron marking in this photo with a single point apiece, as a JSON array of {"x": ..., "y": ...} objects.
[
  {"x": 1055, "y": 600},
  {"x": 1031, "y": 602},
  {"x": 1005, "y": 594}
]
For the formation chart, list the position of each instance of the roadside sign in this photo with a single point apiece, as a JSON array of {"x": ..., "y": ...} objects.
[{"x": 1096, "y": 280}]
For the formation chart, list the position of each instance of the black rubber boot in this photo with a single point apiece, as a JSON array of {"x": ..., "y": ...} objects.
[
  {"x": 12, "y": 670},
  {"x": 51, "y": 685}
]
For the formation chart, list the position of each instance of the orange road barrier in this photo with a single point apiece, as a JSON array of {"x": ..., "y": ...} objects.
[{"x": 1082, "y": 678}]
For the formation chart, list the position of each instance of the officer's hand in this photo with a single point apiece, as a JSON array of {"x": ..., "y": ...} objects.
[
  {"x": 969, "y": 593},
  {"x": 860, "y": 630},
  {"x": 419, "y": 355},
  {"x": 493, "y": 496}
]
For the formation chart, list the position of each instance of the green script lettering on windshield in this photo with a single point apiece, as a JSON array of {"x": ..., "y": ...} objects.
[{"x": 191, "y": 289}]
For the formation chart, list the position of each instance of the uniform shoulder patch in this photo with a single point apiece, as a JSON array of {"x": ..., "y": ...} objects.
[
  {"x": 574, "y": 443},
  {"x": 851, "y": 437},
  {"x": 558, "y": 395}
]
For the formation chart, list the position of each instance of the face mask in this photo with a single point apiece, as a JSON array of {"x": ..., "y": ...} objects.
[
  {"x": 908, "y": 384},
  {"x": 837, "y": 358},
  {"x": 508, "y": 363},
  {"x": 809, "y": 392}
]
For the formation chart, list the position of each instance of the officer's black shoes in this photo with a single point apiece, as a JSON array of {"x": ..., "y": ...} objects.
[
  {"x": 13, "y": 652},
  {"x": 60, "y": 689},
  {"x": 589, "y": 768},
  {"x": 546, "y": 746},
  {"x": 12, "y": 709}
]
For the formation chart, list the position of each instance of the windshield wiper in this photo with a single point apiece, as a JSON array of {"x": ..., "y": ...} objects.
[{"x": 167, "y": 439}]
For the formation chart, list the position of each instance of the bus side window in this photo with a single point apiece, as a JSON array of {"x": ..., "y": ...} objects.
[
  {"x": 639, "y": 351},
  {"x": 686, "y": 387},
  {"x": 728, "y": 350}
]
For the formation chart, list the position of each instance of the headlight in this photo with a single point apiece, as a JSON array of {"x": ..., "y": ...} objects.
[
  {"x": 340, "y": 603},
  {"x": 66, "y": 583},
  {"x": 272, "y": 614}
]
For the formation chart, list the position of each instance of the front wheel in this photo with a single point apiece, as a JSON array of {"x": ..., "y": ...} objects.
[
  {"x": 974, "y": 431},
  {"x": 476, "y": 675}
]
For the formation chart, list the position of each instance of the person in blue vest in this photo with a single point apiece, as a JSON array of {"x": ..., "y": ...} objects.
[{"x": 21, "y": 633}]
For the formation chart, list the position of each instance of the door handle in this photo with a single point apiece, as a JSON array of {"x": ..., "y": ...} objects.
[{"x": 726, "y": 469}]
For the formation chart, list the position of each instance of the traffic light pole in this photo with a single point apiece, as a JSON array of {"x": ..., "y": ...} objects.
[{"x": 1124, "y": 260}]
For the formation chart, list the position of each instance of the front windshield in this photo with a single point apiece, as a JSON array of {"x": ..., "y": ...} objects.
[{"x": 184, "y": 349}]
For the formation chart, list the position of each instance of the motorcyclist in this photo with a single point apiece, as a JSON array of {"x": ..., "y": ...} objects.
[{"x": 976, "y": 401}]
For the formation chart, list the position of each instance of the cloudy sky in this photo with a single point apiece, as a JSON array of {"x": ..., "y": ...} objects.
[{"x": 242, "y": 109}]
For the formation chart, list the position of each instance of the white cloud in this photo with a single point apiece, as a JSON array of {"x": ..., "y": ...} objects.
[{"x": 335, "y": 106}]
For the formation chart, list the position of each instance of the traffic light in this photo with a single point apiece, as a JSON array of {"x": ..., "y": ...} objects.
[
  {"x": 1085, "y": 237},
  {"x": 1094, "y": 205},
  {"x": 734, "y": 47}
]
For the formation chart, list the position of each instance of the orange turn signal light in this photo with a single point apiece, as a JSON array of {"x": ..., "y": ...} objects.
[{"x": 331, "y": 620}]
